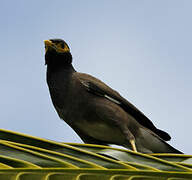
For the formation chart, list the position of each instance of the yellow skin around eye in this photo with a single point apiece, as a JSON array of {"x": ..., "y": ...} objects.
[
  {"x": 60, "y": 49},
  {"x": 57, "y": 47}
]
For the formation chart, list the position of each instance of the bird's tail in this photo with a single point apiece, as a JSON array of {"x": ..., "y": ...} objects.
[{"x": 151, "y": 143}]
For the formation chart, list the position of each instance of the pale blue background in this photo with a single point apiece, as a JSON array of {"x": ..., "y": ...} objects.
[{"x": 141, "y": 48}]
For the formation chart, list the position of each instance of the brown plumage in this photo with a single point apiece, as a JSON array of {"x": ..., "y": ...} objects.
[{"x": 97, "y": 113}]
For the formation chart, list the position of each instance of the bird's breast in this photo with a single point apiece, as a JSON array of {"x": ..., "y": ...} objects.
[{"x": 101, "y": 131}]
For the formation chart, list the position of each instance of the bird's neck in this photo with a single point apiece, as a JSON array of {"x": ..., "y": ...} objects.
[
  {"x": 57, "y": 75},
  {"x": 58, "y": 80},
  {"x": 60, "y": 68}
]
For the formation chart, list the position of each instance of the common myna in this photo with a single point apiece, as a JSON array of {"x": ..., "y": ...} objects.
[{"x": 97, "y": 113}]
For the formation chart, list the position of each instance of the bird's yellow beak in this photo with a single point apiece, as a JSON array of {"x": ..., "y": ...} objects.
[{"x": 48, "y": 43}]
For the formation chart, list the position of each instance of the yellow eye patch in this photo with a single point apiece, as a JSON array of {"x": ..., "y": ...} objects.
[{"x": 60, "y": 47}]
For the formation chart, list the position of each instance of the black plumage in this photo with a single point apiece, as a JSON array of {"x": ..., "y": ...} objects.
[{"x": 97, "y": 113}]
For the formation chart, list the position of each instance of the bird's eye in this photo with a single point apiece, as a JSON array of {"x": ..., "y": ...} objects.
[{"x": 62, "y": 45}]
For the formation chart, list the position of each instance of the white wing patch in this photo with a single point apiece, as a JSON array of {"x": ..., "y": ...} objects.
[
  {"x": 111, "y": 99},
  {"x": 104, "y": 95}
]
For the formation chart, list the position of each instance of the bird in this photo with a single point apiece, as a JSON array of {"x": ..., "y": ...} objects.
[{"x": 96, "y": 112}]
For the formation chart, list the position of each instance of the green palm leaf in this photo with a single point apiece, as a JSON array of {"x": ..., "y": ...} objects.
[{"x": 25, "y": 157}]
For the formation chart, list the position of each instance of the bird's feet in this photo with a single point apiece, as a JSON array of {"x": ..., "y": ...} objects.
[{"x": 132, "y": 141}]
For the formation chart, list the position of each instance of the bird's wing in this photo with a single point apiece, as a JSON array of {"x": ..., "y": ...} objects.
[{"x": 97, "y": 87}]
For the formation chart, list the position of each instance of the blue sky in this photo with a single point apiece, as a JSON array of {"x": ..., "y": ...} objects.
[{"x": 142, "y": 49}]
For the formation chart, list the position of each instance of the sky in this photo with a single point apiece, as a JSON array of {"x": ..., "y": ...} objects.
[{"x": 142, "y": 49}]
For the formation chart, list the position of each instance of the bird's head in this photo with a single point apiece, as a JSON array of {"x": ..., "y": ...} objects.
[{"x": 57, "y": 52}]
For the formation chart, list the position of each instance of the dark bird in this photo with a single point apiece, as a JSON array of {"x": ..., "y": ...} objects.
[{"x": 97, "y": 113}]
